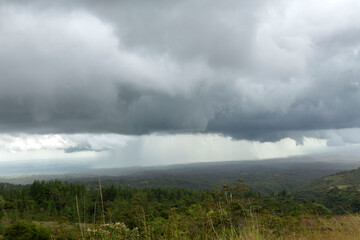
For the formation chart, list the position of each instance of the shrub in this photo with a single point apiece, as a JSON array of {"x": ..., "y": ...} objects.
[
  {"x": 22, "y": 230},
  {"x": 113, "y": 231}
]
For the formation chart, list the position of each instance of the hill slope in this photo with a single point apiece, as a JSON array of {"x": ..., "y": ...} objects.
[
  {"x": 264, "y": 176},
  {"x": 339, "y": 192}
]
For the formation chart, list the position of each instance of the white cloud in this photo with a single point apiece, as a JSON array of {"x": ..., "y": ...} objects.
[{"x": 65, "y": 142}]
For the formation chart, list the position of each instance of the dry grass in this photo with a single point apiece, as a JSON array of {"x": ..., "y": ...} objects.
[{"x": 335, "y": 228}]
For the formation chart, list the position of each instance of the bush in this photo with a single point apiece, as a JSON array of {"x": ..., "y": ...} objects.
[
  {"x": 22, "y": 230},
  {"x": 319, "y": 209},
  {"x": 113, "y": 231}
]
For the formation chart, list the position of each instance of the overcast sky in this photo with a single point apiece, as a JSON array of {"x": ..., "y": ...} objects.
[{"x": 168, "y": 81}]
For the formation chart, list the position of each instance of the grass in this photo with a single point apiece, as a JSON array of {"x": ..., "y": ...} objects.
[{"x": 334, "y": 228}]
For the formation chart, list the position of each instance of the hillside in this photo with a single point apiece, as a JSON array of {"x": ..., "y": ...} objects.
[
  {"x": 339, "y": 192},
  {"x": 50, "y": 210},
  {"x": 265, "y": 176}
]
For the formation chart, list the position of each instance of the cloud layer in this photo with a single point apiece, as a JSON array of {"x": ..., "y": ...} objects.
[{"x": 259, "y": 70}]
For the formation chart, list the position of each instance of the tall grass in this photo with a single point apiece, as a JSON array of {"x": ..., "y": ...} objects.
[
  {"x": 222, "y": 223},
  {"x": 334, "y": 228}
]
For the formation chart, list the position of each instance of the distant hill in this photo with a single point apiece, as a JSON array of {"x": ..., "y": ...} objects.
[
  {"x": 265, "y": 176},
  {"x": 339, "y": 192}
]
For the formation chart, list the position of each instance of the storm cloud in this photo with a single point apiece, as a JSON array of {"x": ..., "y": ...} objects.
[{"x": 254, "y": 70}]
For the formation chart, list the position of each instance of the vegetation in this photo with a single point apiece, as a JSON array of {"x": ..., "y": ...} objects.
[
  {"x": 267, "y": 176},
  {"x": 22, "y": 230},
  {"x": 339, "y": 192},
  {"x": 61, "y": 210}
]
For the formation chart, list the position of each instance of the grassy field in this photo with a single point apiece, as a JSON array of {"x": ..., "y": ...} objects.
[
  {"x": 333, "y": 228},
  {"x": 330, "y": 228}
]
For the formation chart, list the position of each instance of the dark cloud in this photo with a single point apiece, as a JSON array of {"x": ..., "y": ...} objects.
[
  {"x": 80, "y": 148},
  {"x": 248, "y": 69}
]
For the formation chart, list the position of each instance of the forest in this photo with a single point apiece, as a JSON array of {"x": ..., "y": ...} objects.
[{"x": 61, "y": 210}]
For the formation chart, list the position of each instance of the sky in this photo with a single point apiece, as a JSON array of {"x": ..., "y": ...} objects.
[{"x": 160, "y": 82}]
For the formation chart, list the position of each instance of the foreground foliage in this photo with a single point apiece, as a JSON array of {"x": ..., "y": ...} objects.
[
  {"x": 72, "y": 211},
  {"x": 22, "y": 230},
  {"x": 112, "y": 231}
]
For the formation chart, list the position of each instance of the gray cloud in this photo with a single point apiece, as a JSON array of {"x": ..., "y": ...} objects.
[{"x": 259, "y": 70}]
